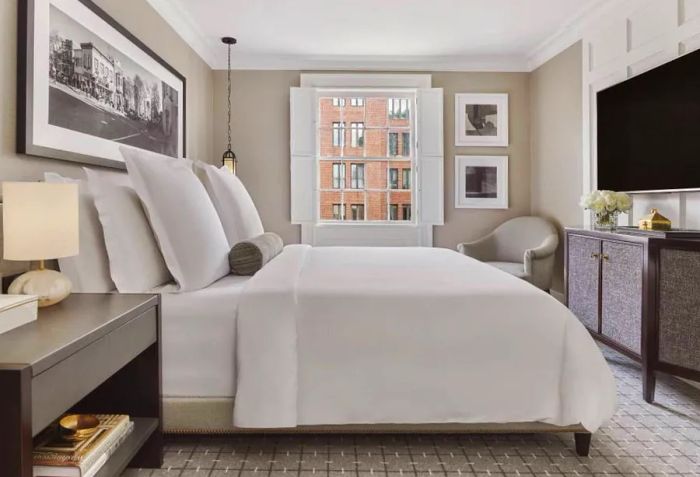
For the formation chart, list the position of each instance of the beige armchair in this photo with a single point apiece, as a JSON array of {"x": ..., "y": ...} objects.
[{"x": 523, "y": 247}]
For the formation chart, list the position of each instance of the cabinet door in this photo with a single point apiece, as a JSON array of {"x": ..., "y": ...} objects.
[
  {"x": 622, "y": 293},
  {"x": 583, "y": 279}
]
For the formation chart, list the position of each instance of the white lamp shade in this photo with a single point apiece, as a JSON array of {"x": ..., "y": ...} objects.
[{"x": 40, "y": 220}]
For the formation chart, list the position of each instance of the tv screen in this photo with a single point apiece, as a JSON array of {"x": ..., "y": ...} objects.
[{"x": 649, "y": 129}]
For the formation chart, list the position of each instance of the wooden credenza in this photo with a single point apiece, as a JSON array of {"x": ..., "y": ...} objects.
[{"x": 639, "y": 295}]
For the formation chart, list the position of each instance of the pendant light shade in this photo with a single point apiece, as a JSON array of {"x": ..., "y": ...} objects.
[{"x": 229, "y": 158}]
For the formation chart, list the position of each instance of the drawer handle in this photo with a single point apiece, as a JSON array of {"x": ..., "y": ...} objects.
[
  {"x": 595, "y": 255},
  {"x": 606, "y": 257}
]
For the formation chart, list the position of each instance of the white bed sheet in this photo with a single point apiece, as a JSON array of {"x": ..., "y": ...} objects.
[
  {"x": 337, "y": 335},
  {"x": 198, "y": 339}
]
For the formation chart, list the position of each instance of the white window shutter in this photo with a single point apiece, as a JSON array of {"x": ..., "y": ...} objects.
[
  {"x": 303, "y": 154},
  {"x": 430, "y": 157}
]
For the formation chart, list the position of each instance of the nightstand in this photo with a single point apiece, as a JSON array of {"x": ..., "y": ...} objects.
[{"x": 91, "y": 353}]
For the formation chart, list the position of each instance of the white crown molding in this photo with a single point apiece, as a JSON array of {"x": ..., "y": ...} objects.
[
  {"x": 183, "y": 26},
  {"x": 569, "y": 33},
  {"x": 378, "y": 63}
]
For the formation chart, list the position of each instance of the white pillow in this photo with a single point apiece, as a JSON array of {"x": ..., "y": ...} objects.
[
  {"x": 182, "y": 216},
  {"x": 135, "y": 262},
  {"x": 234, "y": 205},
  {"x": 89, "y": 270}
]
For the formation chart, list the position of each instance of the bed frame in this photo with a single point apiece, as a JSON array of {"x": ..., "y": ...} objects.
[{"x": 212, "y": 416}]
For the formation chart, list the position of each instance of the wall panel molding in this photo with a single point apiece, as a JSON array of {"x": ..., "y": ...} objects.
[{"x": 653, "y": 32}]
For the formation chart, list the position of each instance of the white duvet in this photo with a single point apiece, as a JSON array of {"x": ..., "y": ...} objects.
[{"x": 340, "y": 335}]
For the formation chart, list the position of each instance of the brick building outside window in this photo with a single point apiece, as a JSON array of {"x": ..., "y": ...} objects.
[{"x": 369, "y": 137}]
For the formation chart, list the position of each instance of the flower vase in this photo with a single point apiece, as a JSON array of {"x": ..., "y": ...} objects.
[{"x": 606, "y": 220}]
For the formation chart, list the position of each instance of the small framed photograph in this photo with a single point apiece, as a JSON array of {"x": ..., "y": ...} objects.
[
  {"x": 481, "y": 119},
  {"x": 481, "y": 182}
]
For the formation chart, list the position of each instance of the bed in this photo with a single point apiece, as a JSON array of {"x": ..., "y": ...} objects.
[{"x": 380, "y": 339}]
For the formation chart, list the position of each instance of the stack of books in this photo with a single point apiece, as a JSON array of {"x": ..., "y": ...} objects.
[{"x": 55, "y": 456}]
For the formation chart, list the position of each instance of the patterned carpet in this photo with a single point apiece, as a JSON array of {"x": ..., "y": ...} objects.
[{"x": 642, "y": 439}]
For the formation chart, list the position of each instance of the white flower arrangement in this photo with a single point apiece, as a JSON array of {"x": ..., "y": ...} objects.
[{"x": 606, "y": 205}]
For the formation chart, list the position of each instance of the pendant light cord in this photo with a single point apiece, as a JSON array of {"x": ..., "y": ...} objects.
[{"x": 229, "y": 97}]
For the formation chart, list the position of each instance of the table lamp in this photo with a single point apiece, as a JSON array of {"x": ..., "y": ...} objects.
[{"x": 40, "y": 222}]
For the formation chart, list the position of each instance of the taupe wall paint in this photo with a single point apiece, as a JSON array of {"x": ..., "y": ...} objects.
[
  {"x": 144, "y": 22},
  {"x": 260, "y": 133},
  {"x": 556, "y": 147}
]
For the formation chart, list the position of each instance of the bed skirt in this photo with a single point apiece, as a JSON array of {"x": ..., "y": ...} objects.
[{"x": 214, "y": 416}]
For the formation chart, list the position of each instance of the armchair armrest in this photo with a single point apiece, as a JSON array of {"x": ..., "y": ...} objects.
[
  {"x": 544, "y": 250},
  {"x": 479, "y": 249}
]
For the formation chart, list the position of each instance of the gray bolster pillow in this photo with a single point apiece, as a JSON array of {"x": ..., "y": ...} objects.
[{"x": 249, "y": 256}]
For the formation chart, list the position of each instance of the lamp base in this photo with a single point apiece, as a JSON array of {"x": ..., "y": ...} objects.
[{"x": 49, "y": 285}]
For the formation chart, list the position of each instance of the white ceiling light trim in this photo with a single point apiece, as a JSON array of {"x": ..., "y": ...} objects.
[
  {"x": 187, "y": 30},
  {"x": 565, "y": 36},
  {"x": 569, "y": 33}
]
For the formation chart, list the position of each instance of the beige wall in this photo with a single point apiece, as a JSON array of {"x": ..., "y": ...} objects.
[
  {"x": 139, "y": 18},
  {"x": 260, "y": 132},
  {"x": 556, "y": 148}
]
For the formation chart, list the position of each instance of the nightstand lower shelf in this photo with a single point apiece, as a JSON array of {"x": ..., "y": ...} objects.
[{"x": 143, "y": 428}]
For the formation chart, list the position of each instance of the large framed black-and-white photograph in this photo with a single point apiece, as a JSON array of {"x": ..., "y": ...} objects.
[
  {"x": 481, "y": 119},
  {"x": 481, "y": 182},
  {"x": 90, "y": 86}
]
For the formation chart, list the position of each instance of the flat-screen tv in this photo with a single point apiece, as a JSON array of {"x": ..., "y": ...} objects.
[{"x": 649, "y": 130}]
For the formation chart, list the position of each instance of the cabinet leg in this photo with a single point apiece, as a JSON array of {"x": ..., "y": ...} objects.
[
  {"x": 16, "y": 418},
  {"x": 583, "y": 443},
  {"x": 648, "y": 384}
]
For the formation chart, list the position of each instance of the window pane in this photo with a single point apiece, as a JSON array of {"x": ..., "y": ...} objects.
[
  {"x": 357, "y": 175},
  {"x": 406, "y": 178},
  {"x": 393, "y": 144},
  {"x": 405, "y": 144},
  {"x": 393, "y": 178}
]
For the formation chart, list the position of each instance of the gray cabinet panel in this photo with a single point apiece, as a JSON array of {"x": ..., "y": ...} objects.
[
  {"x": 583, "y": 271},
  {"x": 679, "y": 308},
  {"x": 623, "y": 264}
]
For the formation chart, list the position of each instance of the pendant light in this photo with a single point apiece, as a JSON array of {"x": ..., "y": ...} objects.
[{"x": 229, "y": 157}]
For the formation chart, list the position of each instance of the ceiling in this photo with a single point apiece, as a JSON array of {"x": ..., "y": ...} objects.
[{"x": 496, "y": 35}]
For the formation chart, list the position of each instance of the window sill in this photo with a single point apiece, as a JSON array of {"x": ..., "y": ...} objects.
[{"x": 367, "y": 234}]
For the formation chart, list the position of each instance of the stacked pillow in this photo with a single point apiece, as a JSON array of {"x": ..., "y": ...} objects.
[{"x": 161, "y": 222}]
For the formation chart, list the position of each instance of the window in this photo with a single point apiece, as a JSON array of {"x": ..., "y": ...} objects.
[
  {"x": 357, "y": 134},
  {"x": 406, "y": 178},
  {"x": 338, "y": 211},
  {"x": 338, "y": 134},
  {"x": 357, "y": 212},
  {"x": 393, "y": 178},
  {"x": 372, "y": 153},
  {"x": 393, "y": 144},
  {"x": 394, "y": 212},
  {"x": 398, "y": 108},
  {"x": 338, "y": 175},
  {"x": 406, "y": 144},
  {"x": 357, "y": 176},
  {"x": 406, "y": 212}
]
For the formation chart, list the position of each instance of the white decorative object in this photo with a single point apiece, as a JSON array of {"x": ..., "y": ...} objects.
[
  {"x": 481, "y": 119},
  {"x": 183, "y": 218},
  {"x": 606, "y": 205},
  {"x": 135, "y": 262},
  {"x": 40, "y": 222},
  {"x": 232, "y": 201},
  {"x": 481, "y": 182},
  {"x": 16, "y": 310}
]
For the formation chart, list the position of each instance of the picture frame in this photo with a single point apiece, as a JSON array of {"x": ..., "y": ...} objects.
[
  {"x": 86, "y": 86},
  {"x": 481, "y": 182},
  {"x": 481, "y": 119}
]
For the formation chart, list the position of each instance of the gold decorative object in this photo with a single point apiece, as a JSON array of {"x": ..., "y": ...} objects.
[
  {"x": 76, "y": 427},
  {"x": 655, "y": 221}
]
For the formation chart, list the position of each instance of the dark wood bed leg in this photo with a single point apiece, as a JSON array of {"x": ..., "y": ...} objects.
[{"x": 583, "y": 443}]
